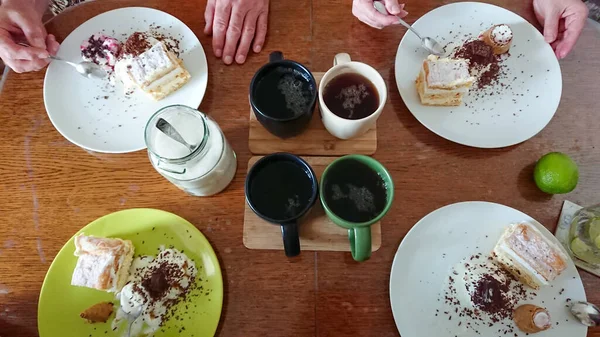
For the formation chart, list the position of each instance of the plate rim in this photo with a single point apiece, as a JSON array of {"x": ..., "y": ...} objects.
[
  {"x": 439, "y": 209},
  {"x": 469, "y": 3},
  {"x": 131, "y": 210},
  {"x": 200, "y": 98}
]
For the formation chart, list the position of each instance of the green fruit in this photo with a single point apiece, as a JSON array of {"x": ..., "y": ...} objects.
[
  {"x": 579, "y": 247},
  {"x": 594, "y": 228},
  {"x": 556, "y": 173}
]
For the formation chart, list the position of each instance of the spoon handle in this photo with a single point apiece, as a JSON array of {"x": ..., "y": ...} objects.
[
  {"x": 405, "y": 24},
  {"x": 171, "y": 132}
]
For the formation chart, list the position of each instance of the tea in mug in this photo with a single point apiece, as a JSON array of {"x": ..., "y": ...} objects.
[
  {"x": 351, "y": 96},
  {"x": 354, "y": 191}
]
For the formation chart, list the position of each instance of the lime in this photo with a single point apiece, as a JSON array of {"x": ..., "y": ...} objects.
[
  {"x": 556, "y": 173},
  {"x": 579, "y": 247},
  {"x": 594, "y": 229}
]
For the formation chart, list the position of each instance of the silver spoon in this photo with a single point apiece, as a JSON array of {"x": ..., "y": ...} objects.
[
  {"x": 586, "y": 312},
  {"x": 85, "y": 68},
  {"x": 172, "y": 133},
  {"x": 131, "y": 317},
  {"x": 427, "y": 42}
]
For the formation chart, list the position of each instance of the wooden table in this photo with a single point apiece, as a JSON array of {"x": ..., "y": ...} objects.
[{"x": 50, "y": 188}]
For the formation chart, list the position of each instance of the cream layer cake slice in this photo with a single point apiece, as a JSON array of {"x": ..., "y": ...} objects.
[
  {"x": 149, "y": 65},
  {"x": 531, "y": 257},
  {"x": 443, "y": 81},
  {"x": 103, "y": 263}
]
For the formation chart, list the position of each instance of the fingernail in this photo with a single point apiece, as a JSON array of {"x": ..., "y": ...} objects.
[
  {"x": 549, "y": 38},
  {"x": 403, "y": 13},
  {"x": 218, "y": 52},
  {"x": 240, "y": 59},
  {"x": 395, "y": 9},
  {"x": 257, "y": 48},
  {"x": 227, "y": 59}
]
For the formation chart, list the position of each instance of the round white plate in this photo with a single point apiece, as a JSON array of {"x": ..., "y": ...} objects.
[
  {"x": 99, "y": 117},
  {"x": 515, "y": 112},
  {"x": 441, "y": 240}
]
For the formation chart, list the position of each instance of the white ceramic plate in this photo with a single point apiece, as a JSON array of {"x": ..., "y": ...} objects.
[
  {"x": 99, "y": 117},
  {"x": 441, "y": 240},
  {"x": 513, "y": 114}
]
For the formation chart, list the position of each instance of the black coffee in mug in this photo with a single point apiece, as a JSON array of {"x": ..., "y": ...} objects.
[
  {"x": 351, "y": 96},
  {"x": 354, "y": 191},
  {"x": 281, "y": 190},
  {"x": 284, "y": 93}
]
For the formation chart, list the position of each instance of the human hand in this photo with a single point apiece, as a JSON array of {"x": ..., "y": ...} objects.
[
  {"x": 20, "y": 22},
  {"x": 365, "y": 12},
  {"x": 233, "y": 21},
  {"x": 563, "y": 21}
]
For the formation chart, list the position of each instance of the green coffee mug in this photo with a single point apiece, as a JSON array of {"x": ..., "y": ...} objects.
[{"x": 359, "y": 233}]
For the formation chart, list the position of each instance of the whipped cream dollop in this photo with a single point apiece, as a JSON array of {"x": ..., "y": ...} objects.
[
  {"x": 156, "y": 284},
  {"x": 501, "y": 34},
  {"x": 101, "y": 49}
]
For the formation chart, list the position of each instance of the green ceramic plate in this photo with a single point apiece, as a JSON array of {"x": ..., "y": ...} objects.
[{"x": 60, "y": 303}]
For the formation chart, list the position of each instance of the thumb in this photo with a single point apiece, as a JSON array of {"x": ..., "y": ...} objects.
[
  {"x": 33, "y": 29},
  {"x": 392, "y": 6},
  {"x": 551, "y": 22}
]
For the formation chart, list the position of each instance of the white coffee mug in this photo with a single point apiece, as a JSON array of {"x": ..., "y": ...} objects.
[{"x": 348, "y": 128}]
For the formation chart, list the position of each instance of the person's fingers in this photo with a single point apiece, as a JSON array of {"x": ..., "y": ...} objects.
[
  {"x": 247, "y": 35},
  {"x": 219, "y": 26},
  {"x": 234, "y": 32},
  {"x": 261, "y": 32},
  {"x": 573, "y": 27},
  {"x": 209, "y": 15},
  {"x": 52, "y": 44},
  {"x": 551, "y": 22},
  {"x": 403, "y": 13},
  {"x": 9, "y": 49},
  {"x": 369, "y": 15},
  {"x": 23, "y": 66},
  {"x": 392, "y": 6},
  {"x": 33, "y": 29}
]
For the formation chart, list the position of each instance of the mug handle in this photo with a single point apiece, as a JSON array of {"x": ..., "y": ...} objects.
[
  {"x": 341, "y": 58},
  {"x": 291, "y": 239},
  {"x": 275, "y": 56},
  {"x": 360, "y": 243}
]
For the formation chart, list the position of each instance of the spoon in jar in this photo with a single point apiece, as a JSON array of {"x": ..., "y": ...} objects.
[
  {"x": 587, "y": 313},
  {"x": 427, "y": 42},
  {"x": 172, "y": 133},
  {"x": 86, "y": 69}
]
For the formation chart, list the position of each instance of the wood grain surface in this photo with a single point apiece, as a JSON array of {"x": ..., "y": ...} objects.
[
  {"x": 50, "y": 188},
  {"x": 314, "y": 141},
  {"x": 317, "y": 231}
]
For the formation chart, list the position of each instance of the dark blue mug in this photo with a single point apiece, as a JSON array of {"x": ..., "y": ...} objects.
[
  {"x": 283, "y": 94},
  {"x": 281, "y": 188}
]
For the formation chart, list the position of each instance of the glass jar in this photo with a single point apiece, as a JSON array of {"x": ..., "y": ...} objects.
[
  {"x": 203, "y": 168},
  {"x": 584, "y": 235}
]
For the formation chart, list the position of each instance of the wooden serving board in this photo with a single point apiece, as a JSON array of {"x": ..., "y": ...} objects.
[
  {"x": 317, "y": 232},
  {"x": 315, "y": 140}
]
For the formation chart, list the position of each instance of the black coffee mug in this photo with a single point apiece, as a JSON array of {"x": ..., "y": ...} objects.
[
  {"x": 263, "y": 99},
  {"x": 281, "y": 188}
]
